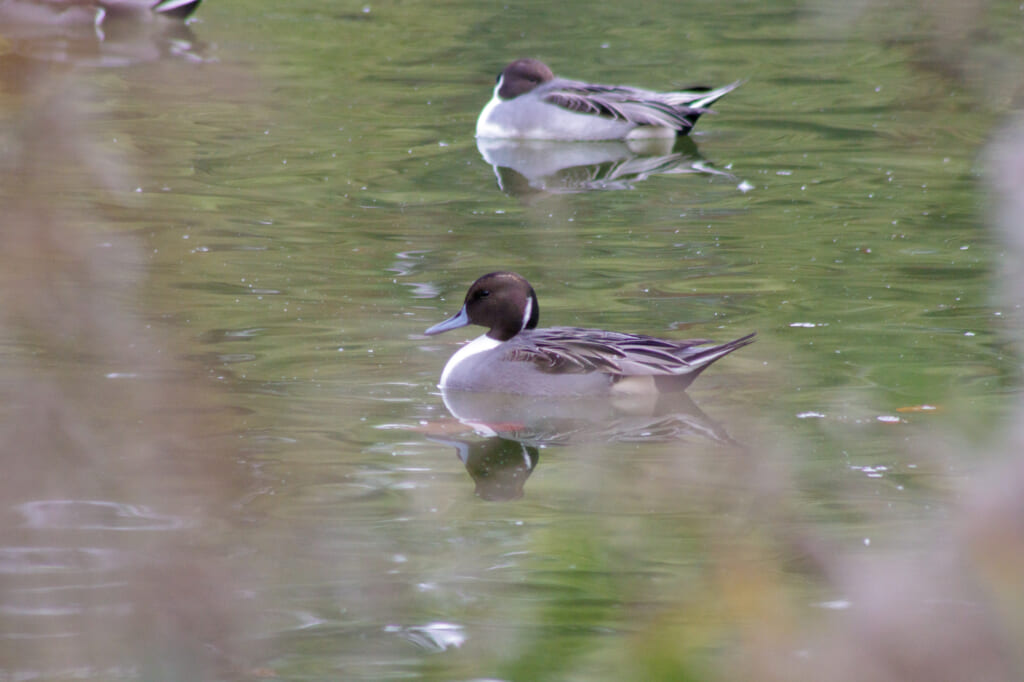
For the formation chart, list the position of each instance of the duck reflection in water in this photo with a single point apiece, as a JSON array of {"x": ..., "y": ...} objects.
[
  {"x": 515, "y": 428},
  {"x": 528, "y": 168},
  {"x": 103, "y": 33},
  {"x": 499, "y": 466}
]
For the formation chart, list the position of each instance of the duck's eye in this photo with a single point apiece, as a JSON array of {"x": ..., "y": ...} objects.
[{"x": 483, "y": 293}]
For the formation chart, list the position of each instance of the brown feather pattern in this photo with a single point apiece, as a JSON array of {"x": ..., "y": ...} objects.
[{"x": 573, "y": 350}]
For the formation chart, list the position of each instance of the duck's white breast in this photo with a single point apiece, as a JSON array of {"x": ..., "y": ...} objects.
[
  {"x": 486, "y": 125},
  {"x": 480, "y": 344}
]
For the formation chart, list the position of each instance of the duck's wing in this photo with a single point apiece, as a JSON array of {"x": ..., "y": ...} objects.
[
  {"x": 620, "y": 103},
  {"x": 574, "y": 350}
]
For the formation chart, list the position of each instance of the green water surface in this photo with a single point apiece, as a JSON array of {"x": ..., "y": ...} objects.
[{"x": 304, "y": 199}]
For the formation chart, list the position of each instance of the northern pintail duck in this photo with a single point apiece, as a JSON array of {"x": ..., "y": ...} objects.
[
  {"x": 516, "y": 357},
  {"x": 72, "y": 12},
  {"x": 531, "y": 103}
]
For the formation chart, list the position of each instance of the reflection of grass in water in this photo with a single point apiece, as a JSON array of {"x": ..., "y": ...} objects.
[
  {"x": 102, "y": 426},
  {"x": 766, "y": 593}
]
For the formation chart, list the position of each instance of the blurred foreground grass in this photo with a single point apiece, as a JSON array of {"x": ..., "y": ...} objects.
[{"x": 118, "y": 469}]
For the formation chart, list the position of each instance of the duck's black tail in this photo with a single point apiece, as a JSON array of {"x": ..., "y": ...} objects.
[
  {"x": 699, "y": 362},
  {"x": 695, "y": 101}
]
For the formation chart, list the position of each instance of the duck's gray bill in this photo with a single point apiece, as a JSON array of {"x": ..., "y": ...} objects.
[{"x": 460, "y": 319}]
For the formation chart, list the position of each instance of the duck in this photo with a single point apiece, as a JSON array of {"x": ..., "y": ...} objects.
[
  {"x": 95, "y": 12},
  {"x": 515, "y": 356},
  {"x": 174, "y": 9},
  {"x": 530, "y": 102}
]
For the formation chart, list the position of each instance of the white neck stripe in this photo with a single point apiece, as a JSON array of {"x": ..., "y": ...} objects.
[{"x": 527, "y": 313}]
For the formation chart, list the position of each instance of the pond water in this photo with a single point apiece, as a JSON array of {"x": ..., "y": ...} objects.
[{"x": 228, "y": 453}]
